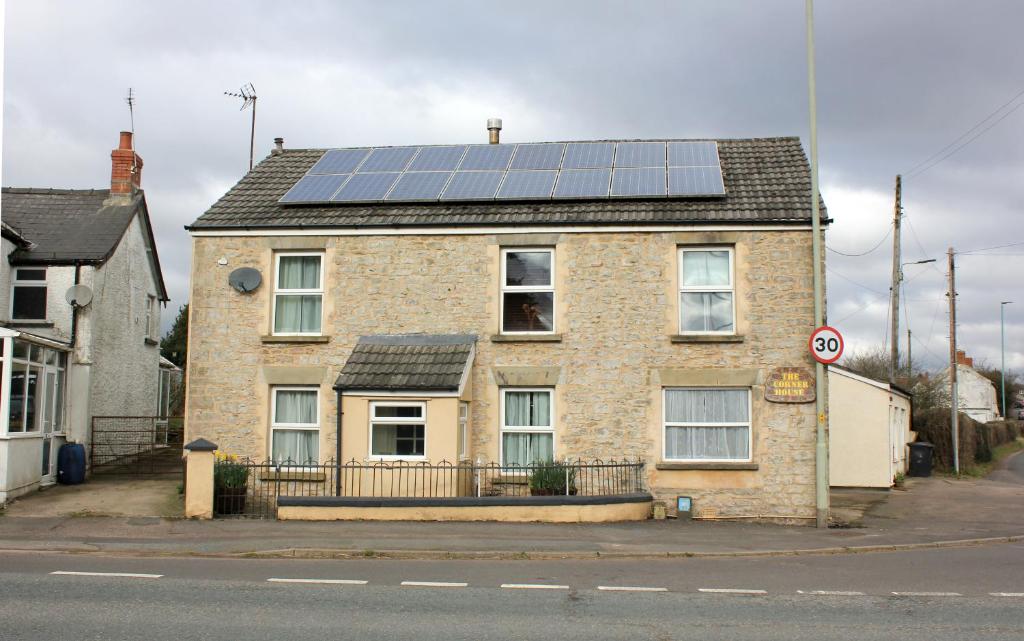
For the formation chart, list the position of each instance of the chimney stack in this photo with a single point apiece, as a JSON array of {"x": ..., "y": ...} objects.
[
  {"x": 494, "y": 130},
  {"x": 963, "y": 359},
  {"x": 125, "y": 168},
  {"x": 278, "y": 146}
]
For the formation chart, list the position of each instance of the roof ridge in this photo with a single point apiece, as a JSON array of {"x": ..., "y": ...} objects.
[
  {"x": 550, "y": 142},
  {"x": 45, "y": 191}
]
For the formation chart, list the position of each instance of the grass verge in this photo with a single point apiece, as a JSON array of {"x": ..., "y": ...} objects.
[{"x": 980, "y": 470}]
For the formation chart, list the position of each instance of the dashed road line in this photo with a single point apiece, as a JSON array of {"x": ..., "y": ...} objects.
[
  {"x": 730, "y": 591},
  {"x": 127, "y": 575},
  {"x": 624, "y": 588},
  {"x": 926, "y": 594},
  {"x": 324, "y": 581},
  {"x": 432, "y": 584},
  {"x": 831, "y": 592},
  {"x": 1009, "y": 594},
  {"x": 533, "y": 586}
]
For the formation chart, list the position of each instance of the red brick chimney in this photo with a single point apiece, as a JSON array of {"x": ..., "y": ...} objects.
[
  {"x": 125, "y": 167},
  {"x": 963, "y": 359}
]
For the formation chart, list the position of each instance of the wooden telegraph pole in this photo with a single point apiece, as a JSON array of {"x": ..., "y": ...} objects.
[
  {"x": 953, "y": 398},
  {"x": 897, "y": 276}
]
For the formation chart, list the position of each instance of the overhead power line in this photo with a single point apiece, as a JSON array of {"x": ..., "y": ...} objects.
[
  {"x": 877, "y": 245},
  {"x": 985, "y": 249}
]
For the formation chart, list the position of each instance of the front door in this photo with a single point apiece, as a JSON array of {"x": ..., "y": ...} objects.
[{"x": 50, "y": 420}]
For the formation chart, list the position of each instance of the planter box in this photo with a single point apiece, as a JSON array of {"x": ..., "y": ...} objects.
[{"x": 229, "y": 500}]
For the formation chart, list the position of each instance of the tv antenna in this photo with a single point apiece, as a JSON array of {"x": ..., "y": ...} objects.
[
  {"x": 131, "y": 107},
  {"x": 248, "y": 95}
]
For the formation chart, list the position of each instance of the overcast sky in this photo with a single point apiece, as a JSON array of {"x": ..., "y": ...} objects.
[{"x": 897, "y": 82}]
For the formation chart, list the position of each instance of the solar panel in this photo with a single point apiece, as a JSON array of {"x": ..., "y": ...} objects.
[
  {"x": 588, "y": 155},
  {"x": 583, "y": 183},
  {"x": 695, "y": 181},
  {"x": 638, "y": 181},
  {"x": 362, "y": 187},
  {"x": 438, "y": 158},
  {"x": 703, "y": 153},
  {"x": 528, "y": 184},
  {"x": 311, "y": 189},
  {"x": 339, "y": 161},
  {"x": 640, "y": 154},
  {"x": 473, "y": 185},
  {"x": 389, "y": 159},
  {"x": 420, "y": 185},
  {"x": 538, "y": 156},
  {"x": 487, "y": 157}
]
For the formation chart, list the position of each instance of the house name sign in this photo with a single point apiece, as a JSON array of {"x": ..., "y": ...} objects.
[{"x": 789, "y": 385}]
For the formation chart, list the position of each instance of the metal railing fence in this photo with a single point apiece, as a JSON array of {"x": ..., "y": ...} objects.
[{"x": 136, "y": 444}]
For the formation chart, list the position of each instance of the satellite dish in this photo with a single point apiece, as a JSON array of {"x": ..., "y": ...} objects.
[
  {"x": 245, "y": 279},
  {"x": 78, "y": 296}
]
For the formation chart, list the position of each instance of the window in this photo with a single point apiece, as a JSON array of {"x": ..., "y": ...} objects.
[
  {"x": 37, "y": 389},
  {"x": 706, "y": 304},
  {"x": 163, "y": 409},
  {"x": 298, "y": 293},
  {"x": 398, "y": 430},
  {"x": 28, "y": 295},
  {"x": 527, "y": 433},
  {"x": 527, "y": 291},
  {"x": 295, "y": 425},
  {"x": 707, "y": 424},
  {"x": 463, "y": 428},
  {"x": 152, "y": 317}
]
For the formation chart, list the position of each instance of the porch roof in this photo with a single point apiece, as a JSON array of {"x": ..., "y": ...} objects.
[{"x": 408, "y": 362}]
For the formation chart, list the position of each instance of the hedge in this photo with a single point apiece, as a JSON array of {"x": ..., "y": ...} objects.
[{"x": 977, "y": 440}]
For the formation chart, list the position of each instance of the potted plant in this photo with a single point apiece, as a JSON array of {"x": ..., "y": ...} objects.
[
  {"x": 230, "y": 481},
  {"x": 549, "y": 479}
]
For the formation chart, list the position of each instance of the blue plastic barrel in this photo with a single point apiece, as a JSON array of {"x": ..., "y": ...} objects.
[{"x": 71, "y": 464}]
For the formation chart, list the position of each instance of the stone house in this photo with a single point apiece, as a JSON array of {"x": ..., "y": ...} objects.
[
  {"x": 64, "y": 363},
  {"x": 516, "y": 303}
]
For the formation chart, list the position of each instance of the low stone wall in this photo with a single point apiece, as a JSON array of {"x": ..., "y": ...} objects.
[{"x": 547, "y": 509}]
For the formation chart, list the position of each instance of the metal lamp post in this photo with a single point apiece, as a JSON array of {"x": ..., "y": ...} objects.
[
  {"x": 894, "y": 355},
  {"x": 1002, "y": 352}
]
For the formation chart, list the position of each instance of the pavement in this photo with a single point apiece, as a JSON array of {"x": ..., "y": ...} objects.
[{"x": 927, "y": 512}]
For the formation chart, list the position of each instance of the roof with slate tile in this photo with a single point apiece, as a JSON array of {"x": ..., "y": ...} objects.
[
  {"x": 434, "y": 362},
  {"x": 767, "y": 180},
  {"x": 68, "y": 226}
]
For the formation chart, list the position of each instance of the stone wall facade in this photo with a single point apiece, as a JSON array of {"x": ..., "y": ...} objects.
[{"x": 616, "y": 317}]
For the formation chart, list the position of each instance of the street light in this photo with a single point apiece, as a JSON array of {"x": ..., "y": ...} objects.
[
  {"x": 894, "y": 299},
  {"x": 1002, "y": 351}
]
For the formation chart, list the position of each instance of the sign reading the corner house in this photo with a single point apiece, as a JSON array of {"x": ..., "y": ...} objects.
[{"x": 789, "y": 385}]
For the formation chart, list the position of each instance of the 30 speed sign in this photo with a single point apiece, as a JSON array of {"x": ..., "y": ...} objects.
[{"x": 826, "y": 344}]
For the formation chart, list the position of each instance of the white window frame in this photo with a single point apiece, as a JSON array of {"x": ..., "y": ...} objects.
[
  {"x": 16, "y": 283},
  {"x": 297, "y": 292},
  {"x": 665, "y": 424},
  {"x": 463, "y": 434},
  {"x": 510, "y": 289},
  {"x": 150, "y": 309},
  {"x": 528, "y": 429},
  {"x": 291, "y": 427},
  {"x": 731, "y": 288},
  {"x": 393, "y": 420}
]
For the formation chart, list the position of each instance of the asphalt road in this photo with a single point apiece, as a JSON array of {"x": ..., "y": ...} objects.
[
  {"x": 964, "y": 593},
  {"x": 1011, "y": 470}
]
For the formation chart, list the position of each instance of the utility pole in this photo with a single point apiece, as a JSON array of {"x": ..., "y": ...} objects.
[
  {"x": 910, "y": 364},
  {"x": 954, "y": 400},
  {"x": 1002, "y": 352},
  {"x": 897, "y": 276}
]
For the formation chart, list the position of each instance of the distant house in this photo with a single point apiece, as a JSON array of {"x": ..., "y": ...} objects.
[
  {"x": 64, "y": 363},
  {"x": 976, "y": 394},
  {"x": 869, "y": 428}
]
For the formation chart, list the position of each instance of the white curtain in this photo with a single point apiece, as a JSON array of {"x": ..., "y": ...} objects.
[
  {"x": 295, "y": 407},
  {"x": 298, "y": 313},
  {"x": 299, "y": 272},
  {"x": 527, "y": 409},
  {"x": 525, "y": 448},
  {"x": 296, "y": 446},
  {"x": 705, "y": 268},
  {"x": 707, "y": 443},
  {"x": 707, "y": 311},
  {"x": 710, "y": 407},
  {"x": 385, "y": 440}
]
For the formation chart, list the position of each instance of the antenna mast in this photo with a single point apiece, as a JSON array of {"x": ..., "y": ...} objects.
[
  {"x": 131, "y": 108},
  {"x": 248, "y": 95}
]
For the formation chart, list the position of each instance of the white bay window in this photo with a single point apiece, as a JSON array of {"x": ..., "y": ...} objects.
[
  {"x": 398, "y": 430},
  {"x": 703, "y": 424}
]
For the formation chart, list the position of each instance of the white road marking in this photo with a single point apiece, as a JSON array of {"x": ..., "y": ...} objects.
[
  {"x": 927, "y": 594},
  {"x": 730, "y": 591},
  {"x": 617, "y": 588},
  {"x": 326, "y": 581},
  {"x": 831, "y": 592},
  {"x": 129, "y": 575},
  {"x": 433, "y": 584},
  {"x": 533, "y": 586},
  {"x": 1011, "y": 594}
]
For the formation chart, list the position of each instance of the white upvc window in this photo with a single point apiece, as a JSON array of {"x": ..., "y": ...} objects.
[
  {"x": 463, "y": 429},
  {"x": 28, "y": 294},
  {"x": 527, "y": 426},
  {"x": 298, "y": 293},
  {"x": 528, "y": 291},
  {"x": 398, "y": 430},
  {"x": 295, "y": 425},
  {"x": 707, "y": 424},
  {"x": 151, "y": 317},
  {"x": 707, "y": 290}
]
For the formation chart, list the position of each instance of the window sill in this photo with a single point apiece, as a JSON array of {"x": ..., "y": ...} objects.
[
  {"x": 707, "y": 338},
  {"x": 526, "y": 338},
  {"x": 31, "y": 323},
  {"x": 295, "y": 339},
  {"x": 15, "y": 436},
  {"x": 710, "y": 465},
  {"x": 150, "y": 341},
  {"x": 397, "y": 459}
]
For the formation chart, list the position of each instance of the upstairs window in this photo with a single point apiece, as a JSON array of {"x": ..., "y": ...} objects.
[
  {"x": 527, "y": 291},
  {"x": 706, "y": 291},
  {"x": 28, "y": 295},
  {"x": 298, "y": 293},
  {"x": 152, "y": 317}
]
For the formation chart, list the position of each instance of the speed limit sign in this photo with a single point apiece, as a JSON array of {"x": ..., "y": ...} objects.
[{"x": 826, "y": 344}]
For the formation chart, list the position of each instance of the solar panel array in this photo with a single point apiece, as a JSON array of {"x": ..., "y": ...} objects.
[{"x": 534, "y": 171}]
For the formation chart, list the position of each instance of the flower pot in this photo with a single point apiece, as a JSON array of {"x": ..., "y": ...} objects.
[{"x": 229, "y": 500}]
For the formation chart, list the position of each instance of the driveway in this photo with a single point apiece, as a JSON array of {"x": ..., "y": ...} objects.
[
  {"x": 109, "y": 496},
  {"x": 1010, "y": 470}
]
